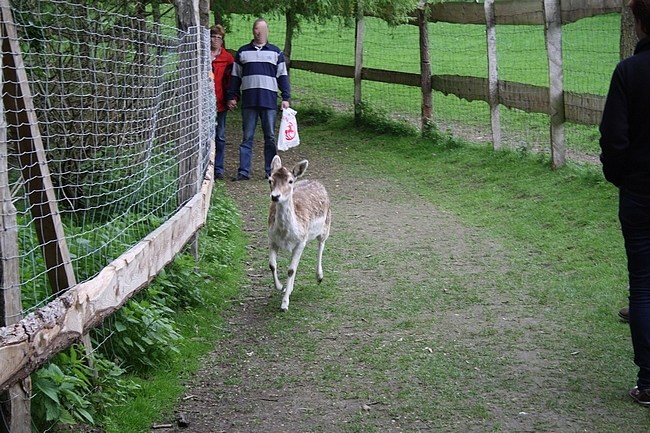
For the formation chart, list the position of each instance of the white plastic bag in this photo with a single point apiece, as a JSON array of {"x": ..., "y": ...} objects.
[{"x": 288, "y": 134}]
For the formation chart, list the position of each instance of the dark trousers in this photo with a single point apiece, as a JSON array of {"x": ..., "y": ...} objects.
[{"x": 634, "y": 214}]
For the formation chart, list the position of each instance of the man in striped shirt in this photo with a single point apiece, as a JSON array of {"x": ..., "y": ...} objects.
[{"x": 257, "y": 75}]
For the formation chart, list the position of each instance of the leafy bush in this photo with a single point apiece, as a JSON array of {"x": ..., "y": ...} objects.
[
  {"x": 143, "y": 333},
  {"x": 68, "y": 391}
]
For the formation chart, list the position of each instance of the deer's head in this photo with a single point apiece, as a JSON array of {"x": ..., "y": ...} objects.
[{"x": 282, "y": 180}]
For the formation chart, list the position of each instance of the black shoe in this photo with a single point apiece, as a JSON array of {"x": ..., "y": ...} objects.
[
  {"x": 240, "y": 177},
  {"x": 641, "y": 396},
  {"x": 624, "y": 314},
  {"x": 218, "y": 176}
]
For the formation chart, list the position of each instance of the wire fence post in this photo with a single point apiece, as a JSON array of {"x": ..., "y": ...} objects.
[{"x": 553, "y": 35}]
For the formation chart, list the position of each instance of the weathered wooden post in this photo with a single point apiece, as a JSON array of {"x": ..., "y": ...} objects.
[
  {"x": 14, "y": 401},
  {"x": 358, "y": 61},
  {"x": 493, "y": 73},
  {"x": 187, "y": 18},
  {"x": 425, "y": 70},
  {"x": 553, "y": 34}
]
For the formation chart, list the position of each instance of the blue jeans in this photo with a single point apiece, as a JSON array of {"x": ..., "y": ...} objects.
[
  {"x": 220, "y": 142},
  {"x": 634, "y": 214},
  {"x": 249, "y": 123}
]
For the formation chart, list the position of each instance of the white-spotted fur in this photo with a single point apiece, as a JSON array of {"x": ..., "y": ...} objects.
[{"x": 299, "y": 212}]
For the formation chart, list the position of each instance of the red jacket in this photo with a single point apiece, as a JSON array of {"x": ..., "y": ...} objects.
[{"x": 221, "y": 69}]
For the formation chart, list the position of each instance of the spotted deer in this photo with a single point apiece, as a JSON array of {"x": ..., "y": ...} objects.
[{"x": 299, "y": 212}]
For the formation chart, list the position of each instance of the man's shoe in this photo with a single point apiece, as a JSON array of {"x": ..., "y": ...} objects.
[
  {"x": 624, "y": 314},
  {"x": 240, "y": 177},
  {"x": 218, "y": 176},
  {"x": 641, "y": 396}
]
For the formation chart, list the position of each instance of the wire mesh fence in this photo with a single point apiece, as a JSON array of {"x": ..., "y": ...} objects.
[
  {"x": 590, "y": 52},
  {"x": 123, "y": 104}
]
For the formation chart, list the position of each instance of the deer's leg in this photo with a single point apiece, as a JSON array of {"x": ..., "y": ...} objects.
[
  {"x": 291, "y": 274},
  {"x": 273, "y": 265},
  {"x": 319, "y": 262}
]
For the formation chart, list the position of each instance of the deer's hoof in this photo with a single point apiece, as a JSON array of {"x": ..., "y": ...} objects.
[{"x": 284, "y": 309}]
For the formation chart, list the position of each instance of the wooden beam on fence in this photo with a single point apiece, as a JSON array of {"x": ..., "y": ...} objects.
[
  {"x": 15, "y": 401},
  {"x": 21, "y": 116},
  {"x": 583, "y": 108},
  {"x": 469, "y": 88},
  {"x": 457, "y": 12},
  {"x": 553, "y": 33},
  {"x": 425, "y": 71},
  {"x": 37, "y": 337},
  {"x": 493, "y": 75},
  {"x": 358, "y": 60}
]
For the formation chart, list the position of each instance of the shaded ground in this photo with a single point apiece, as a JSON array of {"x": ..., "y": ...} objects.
[{"x": 401, "y": 336}]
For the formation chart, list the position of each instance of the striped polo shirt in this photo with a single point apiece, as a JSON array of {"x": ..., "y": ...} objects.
[{"x": 257, "y": 75}]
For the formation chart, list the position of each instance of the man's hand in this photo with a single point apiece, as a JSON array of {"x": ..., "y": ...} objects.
[
  {"x": 285, "y": 105},
  {"x": 232, "y": 104}
]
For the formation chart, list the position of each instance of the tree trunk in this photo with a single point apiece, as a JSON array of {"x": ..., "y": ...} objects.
[
  {"x": 290, "y": 17},
  {"x": 628, "y": 35}
]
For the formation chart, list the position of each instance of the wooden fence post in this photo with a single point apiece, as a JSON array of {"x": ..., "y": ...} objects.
[
  {"x": 493, "y": 73},
  {"x": 553, "y": 35},
  {"x": 425, "y": 70},
  {"x": 187, "y": 17},
  {"x": 15, "y": 401},
  {"x": 358, "y": 61}
]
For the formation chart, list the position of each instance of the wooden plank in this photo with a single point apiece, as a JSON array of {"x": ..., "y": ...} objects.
[
  {"x": 469, "y": 88},
  {"x": 553, "y": 35},
  {"x": 574, "y": 10},
  {"x": 519, "y": 12},
  {"x": 457, "y": 12},
  {"x": 391, "y": 77},
  {"x": 583, "y": 108},
  {"x": 493, "y": 76},
  {"x": 525, "y": 97},
  {"x": 343, "y": 71},
  {"x": 28, "y": 344},
  {"x": 22, "y": 116}
]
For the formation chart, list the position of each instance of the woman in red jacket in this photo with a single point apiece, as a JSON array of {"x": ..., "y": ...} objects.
[{"x": 222, "y": 62}]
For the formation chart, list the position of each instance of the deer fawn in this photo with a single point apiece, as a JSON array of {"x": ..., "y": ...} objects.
[{"x": 299, "y": 212}]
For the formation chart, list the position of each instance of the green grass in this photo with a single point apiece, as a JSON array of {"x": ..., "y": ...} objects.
[
  {"x": 567, "y": 270},
  {"x": 590, "y": 53},
  {"x": 222, "y": 247}
]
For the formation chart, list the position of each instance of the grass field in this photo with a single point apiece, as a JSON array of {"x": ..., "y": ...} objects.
[{"x": 590, "y": 54}]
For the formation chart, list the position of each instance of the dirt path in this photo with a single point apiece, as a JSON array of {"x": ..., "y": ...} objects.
[{"x": 397, "y": 337}]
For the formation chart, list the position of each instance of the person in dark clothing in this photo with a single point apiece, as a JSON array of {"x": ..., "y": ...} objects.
[{"x": 625, "y": 145}]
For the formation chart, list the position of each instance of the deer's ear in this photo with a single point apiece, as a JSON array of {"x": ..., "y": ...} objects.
[
  {"x": 300, "y": 168},
  {"x": 276, "y": 163}
]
